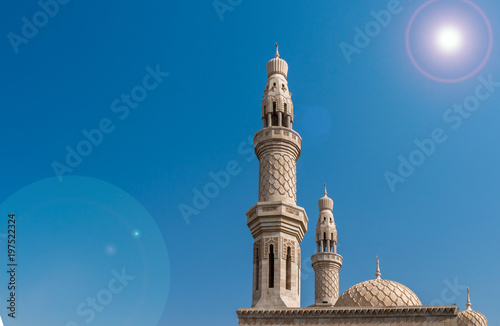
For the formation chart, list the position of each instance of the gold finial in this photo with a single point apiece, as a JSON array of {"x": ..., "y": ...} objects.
[
  {"x": 377, "y": 274},
  {"x": 468, "y": 304},
  {"x": 277, "y": 52},
  {"x": 325, "y": 189}
]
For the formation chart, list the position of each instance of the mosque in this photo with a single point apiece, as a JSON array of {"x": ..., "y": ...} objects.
[{"x": 278, "y": 226}]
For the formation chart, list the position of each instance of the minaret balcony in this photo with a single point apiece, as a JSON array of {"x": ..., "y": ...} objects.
[
  {"x": 274, "y": 135},
  {"x": 326, "y": 257},
  {"x": 269, "y": 217}
]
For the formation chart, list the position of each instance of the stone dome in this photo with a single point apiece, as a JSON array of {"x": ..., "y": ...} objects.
[
  {"x": 325, "y": 202},
  {"x": 378, "y": 293},
  {"x": 471, "y": 318},
  {"x": 277, "y": 65}
]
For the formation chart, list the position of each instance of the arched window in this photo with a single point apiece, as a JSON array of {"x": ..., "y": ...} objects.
[
  {"x": 288, "y": 268},
  {"x": 271, "y": 266}
]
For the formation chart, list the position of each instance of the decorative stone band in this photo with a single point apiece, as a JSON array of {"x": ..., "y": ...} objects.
[
  {"x": 281, "y": 134},
  {"x": 327, "y": 258},
  {"x": 384, "y": 312}
]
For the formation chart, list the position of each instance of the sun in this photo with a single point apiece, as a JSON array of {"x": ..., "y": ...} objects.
[{"x": 449, "y": 39}]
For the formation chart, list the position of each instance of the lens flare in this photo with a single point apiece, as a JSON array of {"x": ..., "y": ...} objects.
[{"x": 449, "y": 39}]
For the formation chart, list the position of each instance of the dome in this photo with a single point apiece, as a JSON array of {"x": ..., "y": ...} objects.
[
  {"x": 277, "y": 65},
  {"x": 325, "y": 203},
  {"x": 378, "y": 293},
  {"x": 470, "y": 317}
]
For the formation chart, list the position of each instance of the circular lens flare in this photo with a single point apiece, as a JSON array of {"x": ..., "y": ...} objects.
[
  {"x": 463, "y": 38},
  {"x": 449, "y": 39}
]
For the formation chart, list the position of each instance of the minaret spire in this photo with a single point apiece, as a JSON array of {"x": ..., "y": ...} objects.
[
  {"x": 325, "y": 189},
  {"x": 378, "y": 274},
  {"x": 276, "y": 222},
  {"x": 468, "y": 304},
  {"x": 277, "y": 55}
]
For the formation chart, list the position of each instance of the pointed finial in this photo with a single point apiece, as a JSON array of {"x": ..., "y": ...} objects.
[
  {"x": 468, "y": 305},
  {"x": 378, "y": 274},
  {"x": 277, "y": 55},
  {"x": 325, "y": 189}
]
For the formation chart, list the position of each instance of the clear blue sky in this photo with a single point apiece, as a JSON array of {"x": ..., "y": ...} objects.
[{"x": 119, "y": 205}]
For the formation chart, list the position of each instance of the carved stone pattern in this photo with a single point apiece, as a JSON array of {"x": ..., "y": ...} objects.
[
  {"x": 277, "y": 176},
  {"x": 267, "y": 243},
  {"x": 326, "y": 284},
  {"x": 289, "y": 243},
  {"x": 471, "y": 318},
  {"x": 257, "y": 254},
  {"x": 378, "y": 293}
]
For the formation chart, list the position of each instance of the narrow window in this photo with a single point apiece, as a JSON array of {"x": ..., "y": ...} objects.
[
  {"x": 275, "y": 115},
  {"x": 285, "y": 122},
  {"x": 288, "y": 269},
  {"x": 271, "y": 266},
  {"x": 257, "y": 272}
]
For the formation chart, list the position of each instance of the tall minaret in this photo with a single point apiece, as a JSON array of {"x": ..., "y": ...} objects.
[
  {"x": 326, "y": 262},
  {"x": 277, "y": 224}
]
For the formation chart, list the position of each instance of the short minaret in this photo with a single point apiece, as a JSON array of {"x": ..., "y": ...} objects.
[
  {"x": 326, "y": 262},
  {"x": 277, "y": 224}
]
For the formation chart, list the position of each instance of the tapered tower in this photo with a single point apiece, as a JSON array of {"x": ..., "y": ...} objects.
[
  {"x": 326, "y": 262},
  {"x": 277, "y": 224}
]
